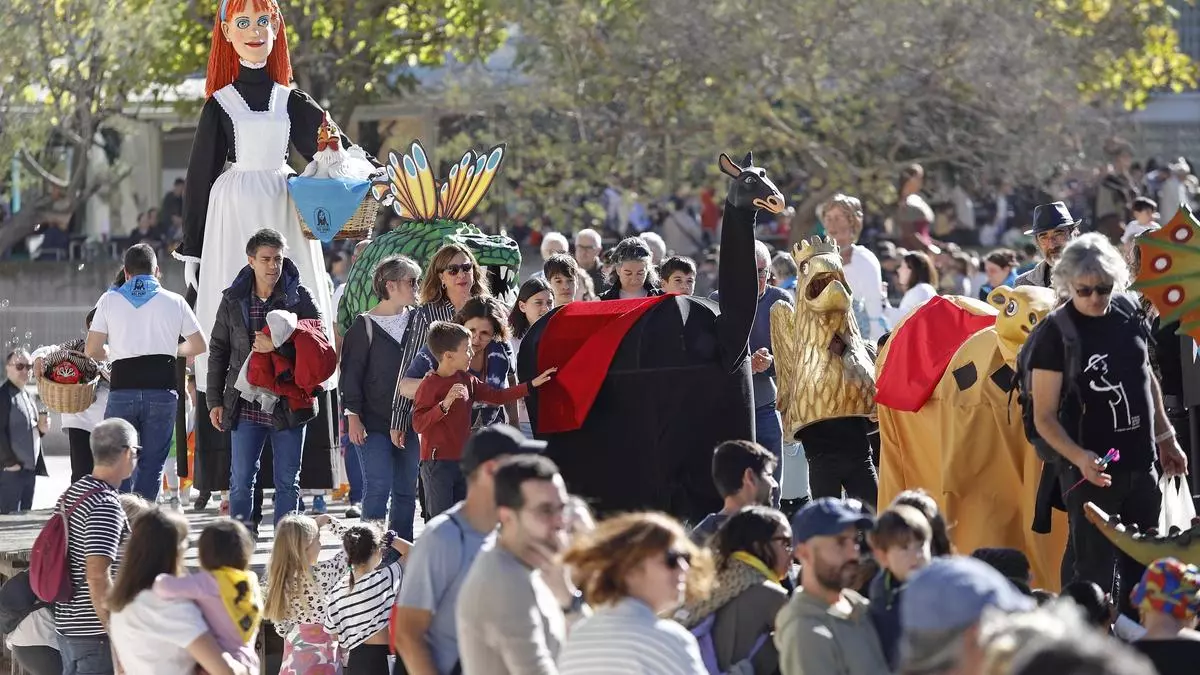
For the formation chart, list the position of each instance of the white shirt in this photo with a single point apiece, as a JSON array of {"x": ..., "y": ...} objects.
[
  {"x": 35, "y": 630},
  {"x": 865, "y": 277},
  {"x": 93, "y": 415},
  {"x": 913, "y": 298},
  {"x": 153, "y": 328},
  {"x": 151, "y": 635}
]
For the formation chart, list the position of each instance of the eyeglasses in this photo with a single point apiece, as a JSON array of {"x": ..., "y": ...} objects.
[
  {"x": 21, "y": 366},
  {"x": 674, "y": 558},
  {"x": 409, "y": 281},
  {"x": 455, "y": 270},
  {"x": 786, "y": 541},
  {"x": 585, "y": 247},
  {"x": 1100, "y": 289},
  {"x": 134, "y": 451},
  {"x": 764, "y": 272}
]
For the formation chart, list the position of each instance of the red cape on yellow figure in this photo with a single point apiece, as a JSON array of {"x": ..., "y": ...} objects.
[{"x": 965, "y": 443}]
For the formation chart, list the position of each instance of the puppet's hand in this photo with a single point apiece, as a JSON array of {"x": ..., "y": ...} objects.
[{"x": 191, "y": 274}]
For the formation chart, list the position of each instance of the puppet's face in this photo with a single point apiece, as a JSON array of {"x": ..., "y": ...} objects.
[
  {"x": 252, "y": 34},
  {"x": 1021, "y": 309},
  {"x": 821, "y": 283}
]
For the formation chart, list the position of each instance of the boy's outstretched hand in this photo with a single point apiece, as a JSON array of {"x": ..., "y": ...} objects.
[
  {"x": 456, "y": 392},
  {"x": 543, "y": 378}
]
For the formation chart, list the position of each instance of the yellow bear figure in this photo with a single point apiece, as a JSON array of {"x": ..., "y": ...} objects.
[{"x": 971, "y": 425}]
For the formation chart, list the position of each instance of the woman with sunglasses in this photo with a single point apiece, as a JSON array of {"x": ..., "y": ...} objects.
[
  {"x": 633, "y": 274},
  {"x": 453, "y": 278},
  {"x": 373, "y": 354},
  {"x": 21, "y": 442},
  {"x": 754, "y": 553},
  {"x": 635, "y": 569},
  {"x": 1106, "y": 397}
]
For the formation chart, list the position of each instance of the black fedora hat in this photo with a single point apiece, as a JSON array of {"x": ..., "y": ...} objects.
[{"x": 1047, "y": 217}]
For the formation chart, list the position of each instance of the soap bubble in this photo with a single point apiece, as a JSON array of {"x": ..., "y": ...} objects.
[
  {"x": 29, "y": 335},
  {"x": 4, "y": 303},
  {"x": 80, "y": 268},
  {"x": 13, "y": 329}
]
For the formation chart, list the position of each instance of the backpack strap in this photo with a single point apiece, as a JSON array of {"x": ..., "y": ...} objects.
[
  {"x": 1072, "y": 363},
  {"x": 65, "y": 514}
]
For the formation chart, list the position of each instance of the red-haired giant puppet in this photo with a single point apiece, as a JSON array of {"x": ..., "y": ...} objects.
[
  {"x": 648, "y": 387},
  {"x": 249, "y": 118}
]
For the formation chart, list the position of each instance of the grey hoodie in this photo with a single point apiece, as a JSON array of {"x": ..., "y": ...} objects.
[{"x": 816, "y": 638}]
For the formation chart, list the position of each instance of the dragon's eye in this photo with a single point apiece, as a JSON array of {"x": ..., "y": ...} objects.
[
  {"x": 1033, "y": 319},
  {"x": 1011, "y": 308},
  {"x": 804, "y": 268}
]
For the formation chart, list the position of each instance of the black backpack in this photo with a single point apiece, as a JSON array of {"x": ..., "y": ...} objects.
[
  {"x": 17, "y": 601},
  {"x": 1126, "y": 307}
]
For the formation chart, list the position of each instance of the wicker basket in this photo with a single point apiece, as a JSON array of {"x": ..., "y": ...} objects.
[
  {"x": 67, "y": 398},
  {"x": 358, "y": 227}
]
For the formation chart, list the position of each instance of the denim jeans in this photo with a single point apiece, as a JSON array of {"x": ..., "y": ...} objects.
[
  {"x": 287, "y": 446},
  {"x": 86, "y": 655},
  {"x": 354, "y": 472},
  {"x": 768, "y": 431},
  {"x": 444, "y": 483},
  {"x": 16, "y": 491},
  {"x": 388, "y": 471},
  {"x": 152, "y": 412}
]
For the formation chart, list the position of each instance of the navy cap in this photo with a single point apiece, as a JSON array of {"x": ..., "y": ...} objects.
[
  {"x": 952, "y": 592},
  {"x": 826, "y": 517},
  {"x": 493, "y": 442}
]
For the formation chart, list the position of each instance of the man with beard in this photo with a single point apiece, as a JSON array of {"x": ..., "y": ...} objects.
[
  {"x": 517, "y": 600},
  {"x": 824, "y": 628},
  {"x": 743, "y": 472},
  {"x": 1053, "y": 228}
]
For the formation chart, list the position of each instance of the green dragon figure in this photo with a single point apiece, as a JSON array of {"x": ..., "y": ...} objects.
[{"x": 435, "y": 215}]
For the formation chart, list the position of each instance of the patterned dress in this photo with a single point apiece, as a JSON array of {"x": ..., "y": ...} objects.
[{"x": 307, "y": 648}]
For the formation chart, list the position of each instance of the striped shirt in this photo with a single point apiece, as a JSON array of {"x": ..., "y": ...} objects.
[
  {"x": 251, "y": 411},
  {"x": 97, "y": 527},
  {"x": 628, "y": 638},
  {"x": 418, "y": 330},
  {"x": 355, "y": 614}
]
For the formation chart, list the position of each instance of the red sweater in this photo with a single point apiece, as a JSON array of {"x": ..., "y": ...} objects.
[{"x": 443, "y": 435}]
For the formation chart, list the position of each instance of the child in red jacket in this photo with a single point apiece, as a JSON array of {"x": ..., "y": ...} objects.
[{"x": 442, "y": 412}]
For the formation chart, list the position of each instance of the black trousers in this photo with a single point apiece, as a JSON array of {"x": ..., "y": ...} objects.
[
  {"x": 1136, "y": 498},
  {"x": 40, "y": 660},
  {"x": 839, "y": 457},
  {"x": 368, "y": 660},
  {"x": 81, "y": 453}
]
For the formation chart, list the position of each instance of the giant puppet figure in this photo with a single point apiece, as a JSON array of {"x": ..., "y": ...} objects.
[
  {"x": 250, "y": 118},
  {"x": 648, "y": 387},
  {"x": 951, "y": 423},
  {"x": 826, "y": 379}
]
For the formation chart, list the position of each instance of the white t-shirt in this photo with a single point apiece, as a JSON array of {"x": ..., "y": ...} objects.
[
  {"x": 865, "y": 277},
  {"x": 913, "y": 298},
  {"x": 153, "y": 328},
  {"x": 151, "y": 635}
]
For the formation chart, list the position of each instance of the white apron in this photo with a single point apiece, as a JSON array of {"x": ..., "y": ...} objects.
[{"x": 252, "y": 194}]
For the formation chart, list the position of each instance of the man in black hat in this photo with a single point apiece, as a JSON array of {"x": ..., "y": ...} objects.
[
  {"x": 1053, "y": 228},
  {"x": 426, "y": 636}
]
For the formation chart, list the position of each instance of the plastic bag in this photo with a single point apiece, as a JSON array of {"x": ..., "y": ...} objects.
[{"x": 1178, "y": 509}]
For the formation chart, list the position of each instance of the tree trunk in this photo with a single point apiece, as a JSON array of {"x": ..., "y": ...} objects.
[
  {"x": 804, "y": 223},
  {"x": 20, "y": 225}
]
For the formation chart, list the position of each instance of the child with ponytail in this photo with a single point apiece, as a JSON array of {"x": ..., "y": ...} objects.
[
  {"x": 534, "y": 300},
  {"x": 357, "y": 612}
]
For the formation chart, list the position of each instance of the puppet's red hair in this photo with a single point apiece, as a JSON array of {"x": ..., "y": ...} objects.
[{"x": 223, "y": 60}]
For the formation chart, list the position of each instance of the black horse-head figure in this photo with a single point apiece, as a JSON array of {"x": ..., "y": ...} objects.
[{"x": 751, "y": 189}]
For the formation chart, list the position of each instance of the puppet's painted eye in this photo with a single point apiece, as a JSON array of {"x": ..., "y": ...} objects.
[
  {"x": 1011, "y": 308},
  {"x": 749, "y": 179},
  {"x": 264, "y": 21},
  {"x": 243, "y": 23},
  {"x": 1033, "y": 319},
  {"x": 804, "y": 269}
]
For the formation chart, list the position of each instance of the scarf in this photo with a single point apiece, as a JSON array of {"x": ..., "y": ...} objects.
[
  {"x": 741, "y": 572},
  {"x": 138, "y": 290}
]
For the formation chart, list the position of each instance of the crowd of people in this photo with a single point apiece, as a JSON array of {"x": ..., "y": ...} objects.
[{"x": 512, "y": 573}]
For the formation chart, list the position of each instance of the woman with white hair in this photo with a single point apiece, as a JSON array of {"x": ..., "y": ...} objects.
[
  {"x": 554, "y": 243},
  {"x": 1092, "y": 390}
]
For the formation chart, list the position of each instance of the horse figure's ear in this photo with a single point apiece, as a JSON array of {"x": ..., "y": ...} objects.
[
  {"x": 728, "y": 167},
  {"x": 749, "y": 160}
]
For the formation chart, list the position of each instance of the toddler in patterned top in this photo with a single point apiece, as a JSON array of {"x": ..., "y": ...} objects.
[
  {"x": 225, "y": 589},
  {"x": 296, "y": 588}
]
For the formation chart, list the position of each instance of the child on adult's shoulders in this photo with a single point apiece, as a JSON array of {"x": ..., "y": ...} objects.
[{"x": 900, "y": 543}]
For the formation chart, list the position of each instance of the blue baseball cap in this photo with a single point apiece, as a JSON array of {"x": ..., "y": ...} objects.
[
  {"x": 826, "y": 517},
  {"x": 952, "y": 592}
]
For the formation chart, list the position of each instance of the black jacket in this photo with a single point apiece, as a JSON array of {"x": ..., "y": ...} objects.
[
  {"x": 614, "y": 292},
  {"x": 370, "y": 365},
  {"x": 229, "y": 345}
]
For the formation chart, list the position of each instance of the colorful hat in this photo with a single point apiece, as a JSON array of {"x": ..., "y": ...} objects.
[{"x": 1170, "y": 587}]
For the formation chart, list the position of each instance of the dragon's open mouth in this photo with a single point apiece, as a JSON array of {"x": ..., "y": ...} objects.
[{"x": 820, "y": 282}]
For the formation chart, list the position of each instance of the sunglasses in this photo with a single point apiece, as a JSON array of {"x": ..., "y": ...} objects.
[
  {"x": 1101, "y": 289},
  {"x": 786, "y": 541},
  {"x": 21, "y": 366},
  {"x": 134, "y": 451},
  {"x": 455, "y": 270},
  {"x": 674, "y": 558}
]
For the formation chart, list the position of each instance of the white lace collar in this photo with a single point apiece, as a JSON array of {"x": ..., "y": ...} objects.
[{"x": 255, "y": 66}]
